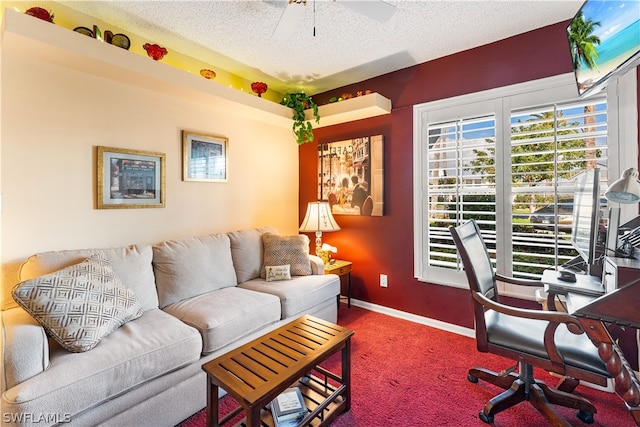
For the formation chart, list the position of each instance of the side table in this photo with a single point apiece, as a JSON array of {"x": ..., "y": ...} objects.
[{"x": 341, "y": 268}]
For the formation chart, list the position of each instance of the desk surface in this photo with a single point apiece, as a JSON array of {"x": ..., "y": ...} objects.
[
  {"x": 584, "y": 284},
  {"x": 619, "y": 307}
]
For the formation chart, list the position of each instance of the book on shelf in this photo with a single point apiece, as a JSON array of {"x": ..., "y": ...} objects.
[
  {"x": 288, "y": 406},
  {"x": 294, "y": 422}
]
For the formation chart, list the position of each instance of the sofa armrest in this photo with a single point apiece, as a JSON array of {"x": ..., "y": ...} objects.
[
  {"x": 317, "y": 265},
  {"x": 25, "y": 350}
]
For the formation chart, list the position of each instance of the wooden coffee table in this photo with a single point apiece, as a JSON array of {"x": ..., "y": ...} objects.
[{"x": 255, "y": 373}]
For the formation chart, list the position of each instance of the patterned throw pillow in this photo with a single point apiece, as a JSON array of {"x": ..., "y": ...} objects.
[
  {"x": 79, "y": 305},
  {"x": 282, "y": 250},
  {"x": 278, "y": 272}
]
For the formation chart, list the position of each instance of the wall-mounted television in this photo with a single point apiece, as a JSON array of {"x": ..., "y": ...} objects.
[
  {"x": 604, "y": 41},
  {"x": 586, "y": 216}
]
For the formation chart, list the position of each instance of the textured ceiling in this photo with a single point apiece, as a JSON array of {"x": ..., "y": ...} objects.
[{"x": 347, "y": 47}]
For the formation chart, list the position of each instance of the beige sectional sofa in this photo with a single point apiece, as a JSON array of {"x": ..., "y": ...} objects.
[{"x": 199, "y": 298}]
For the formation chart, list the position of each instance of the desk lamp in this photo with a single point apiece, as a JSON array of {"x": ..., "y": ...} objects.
[
  {"x": 318, "y": 219},
  {"x": 625, "y": 190}
]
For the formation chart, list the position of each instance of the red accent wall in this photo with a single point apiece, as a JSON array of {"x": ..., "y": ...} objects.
[{"x": 385, "y": 244}]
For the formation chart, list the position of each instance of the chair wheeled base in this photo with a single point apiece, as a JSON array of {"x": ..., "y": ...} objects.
[{"x": 523, "y": 386}]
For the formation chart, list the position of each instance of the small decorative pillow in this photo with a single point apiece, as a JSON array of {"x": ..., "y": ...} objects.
[
  {"x": 278, "y": 272},
  {"x": 283, "y": 250},
  {"x": 79, "y": 305}
]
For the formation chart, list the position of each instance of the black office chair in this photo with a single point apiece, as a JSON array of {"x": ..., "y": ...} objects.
[{"x": 549, "y": 340}]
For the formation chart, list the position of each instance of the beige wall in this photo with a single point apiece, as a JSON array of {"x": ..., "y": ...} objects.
[{"x": 54, "y": 117}]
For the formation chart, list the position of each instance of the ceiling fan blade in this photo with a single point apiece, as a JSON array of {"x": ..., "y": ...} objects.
[
  {"x": 289, "y": 20},
  {"x": 374, "y": 9}
]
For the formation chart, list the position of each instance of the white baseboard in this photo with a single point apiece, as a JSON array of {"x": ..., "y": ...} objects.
[{"x": 449, "y": 327}]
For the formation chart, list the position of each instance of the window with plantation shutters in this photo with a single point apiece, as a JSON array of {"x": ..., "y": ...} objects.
[
  {"x": 509, "y": 159},
  {"x": 551, "y": 146},
  {"x": 460, "y": 186}
]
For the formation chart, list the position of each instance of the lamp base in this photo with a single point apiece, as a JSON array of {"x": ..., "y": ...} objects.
[{"x": 319, "y": 243}]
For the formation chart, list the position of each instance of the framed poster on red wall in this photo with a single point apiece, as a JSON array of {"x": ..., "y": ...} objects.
[{"x": 351, "y": 176}]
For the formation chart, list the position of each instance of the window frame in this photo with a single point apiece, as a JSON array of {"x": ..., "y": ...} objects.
[{"x": 622, "y": 110}]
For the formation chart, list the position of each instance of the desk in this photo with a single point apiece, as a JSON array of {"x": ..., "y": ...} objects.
[
  {"x": 620, "y": 306},
  {"x": 584, "y": 285}
]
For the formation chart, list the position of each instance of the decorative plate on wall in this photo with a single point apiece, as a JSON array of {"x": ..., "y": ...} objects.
[
  {"x": 121, "y": 40},
  {"x": 84, "y": 30}
]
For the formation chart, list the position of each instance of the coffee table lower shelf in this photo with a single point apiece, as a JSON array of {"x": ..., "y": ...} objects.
[
  {"x": 324, "y": 401},
  {"x": 256, "y": 372}
]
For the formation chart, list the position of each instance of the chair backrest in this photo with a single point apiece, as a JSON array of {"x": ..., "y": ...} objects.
[
  {"x": 333, "y": 199},
  {"x": 480, "y": 274},
  {"x": 367, "y": 206},
  {"x": 475, "y": 258}
]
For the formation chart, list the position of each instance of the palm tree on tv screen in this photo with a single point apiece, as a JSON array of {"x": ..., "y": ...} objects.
[{"x": 583, "y": 42}]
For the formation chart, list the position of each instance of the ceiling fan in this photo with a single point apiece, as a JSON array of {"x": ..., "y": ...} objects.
[{"x": 375, "y": 9}]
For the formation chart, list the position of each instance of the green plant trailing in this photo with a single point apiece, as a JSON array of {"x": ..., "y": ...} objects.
[{"x": 299, "y": 101}]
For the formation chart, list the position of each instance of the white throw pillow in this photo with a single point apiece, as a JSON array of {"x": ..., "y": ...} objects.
[
  {"x": 278, "y": 272},
  {"x": 79, "y": 305}
]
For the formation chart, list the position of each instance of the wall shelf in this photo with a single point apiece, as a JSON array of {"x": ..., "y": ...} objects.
[
  {"x": 34, "y": 38},
  {"x": 360, "y": 107}
]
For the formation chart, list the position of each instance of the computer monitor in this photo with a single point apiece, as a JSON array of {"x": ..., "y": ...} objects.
[
  {"x": 611, "y": 244},
  {"x": 586, "y": 215}
]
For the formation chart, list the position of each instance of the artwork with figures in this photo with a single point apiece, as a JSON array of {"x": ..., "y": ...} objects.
[{"x": 351, "y": 176}]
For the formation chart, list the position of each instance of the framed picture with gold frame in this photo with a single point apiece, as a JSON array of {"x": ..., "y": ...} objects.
[
  {"x": 204, "y": 157},
  {"x": 130, "y": 178}
]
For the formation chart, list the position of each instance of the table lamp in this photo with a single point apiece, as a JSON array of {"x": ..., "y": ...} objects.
[
  {"x": 626, "y": 189},
  {"x": 318, "y": 219}
]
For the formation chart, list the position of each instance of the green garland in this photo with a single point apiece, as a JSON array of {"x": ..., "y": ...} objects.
[{"x": 299, "y": 101}]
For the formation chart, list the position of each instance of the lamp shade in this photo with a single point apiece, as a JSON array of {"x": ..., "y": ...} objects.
[
  {"x": 626, "y": 189},
  {"x": 319, "y": 218}
]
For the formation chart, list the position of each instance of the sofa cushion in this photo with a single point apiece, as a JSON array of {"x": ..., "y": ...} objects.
[
  {"x": 292, "y": 250},
  {"x": 300, "y": 293},
  {"x": 247, "y": 252},
  {"x": 226, "y": 315},
  {"x": 192, "y": 266},
  {"x": 80, "y": 304},
  {"x": 146, "y": 348},
  {"x": 132, "y": 265}
]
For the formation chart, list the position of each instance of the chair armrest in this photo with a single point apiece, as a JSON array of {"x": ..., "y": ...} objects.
[
  {"x": 554, "y": 319},
  {"x": 550, "y": 316},
  {"x": 521, "y": 282},
  {"x": 317, "y": 265},
  {"x": 25, "y": 351}
]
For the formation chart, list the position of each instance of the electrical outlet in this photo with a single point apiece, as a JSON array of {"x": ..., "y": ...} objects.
[{"x": 383, "y": 280}]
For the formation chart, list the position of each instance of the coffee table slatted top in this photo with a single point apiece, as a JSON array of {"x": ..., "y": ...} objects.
[{"x": 258, "y": 369}]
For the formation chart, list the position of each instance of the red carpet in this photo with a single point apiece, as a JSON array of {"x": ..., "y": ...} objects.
[{"x": 407, "y": 374}]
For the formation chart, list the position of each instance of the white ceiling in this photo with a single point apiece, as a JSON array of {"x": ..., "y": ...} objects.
[{"x": 347, "y": 47}]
